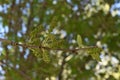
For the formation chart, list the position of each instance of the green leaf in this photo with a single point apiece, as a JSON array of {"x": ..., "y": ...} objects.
[
  {"x": 96, "y": 56},
  {"x": 94, "y": 52},
  {"x": 79, "y": 41},
  {"x": 45, "y": 56}
]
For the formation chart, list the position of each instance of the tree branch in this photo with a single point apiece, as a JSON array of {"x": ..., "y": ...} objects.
[{"x": 44, "y": 47}]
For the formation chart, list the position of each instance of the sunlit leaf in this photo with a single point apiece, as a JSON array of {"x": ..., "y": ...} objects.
[
  {"x": 45, "y": 56},
  {"x": 95, "y": 53},
  {"x": 79, "y": 40}
]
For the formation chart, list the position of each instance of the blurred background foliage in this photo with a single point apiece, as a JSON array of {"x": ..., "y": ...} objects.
[{"x": 97, "y": 21}]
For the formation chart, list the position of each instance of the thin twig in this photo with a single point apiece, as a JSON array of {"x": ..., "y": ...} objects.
[{"x": 44, "y": 47}]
